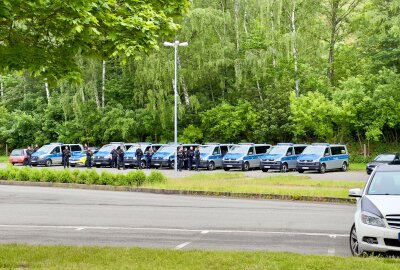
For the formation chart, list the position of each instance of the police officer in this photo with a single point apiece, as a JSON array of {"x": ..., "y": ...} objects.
[
  {"x": 139, "y": 155},
  {"x": 66, "y": 154},
  {"x": 121, "y": 154},
  {"x": 29, "y": 153},
  {"x": 114, "y": 157},
  {"x": 190, "y": 156},
  {"x": 197, "y": 157},
  {"x": 85, "y": 147},
  {"x": 149, "y": 154},
  {"x": 185, "y": 158},
  {"x": 89, "y": 154},
  {"x": 35, "y": 149},
  {"x": 180, "y": 158}
]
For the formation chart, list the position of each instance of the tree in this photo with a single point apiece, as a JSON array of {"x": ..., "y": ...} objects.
[{"x": 50, "y": 33}]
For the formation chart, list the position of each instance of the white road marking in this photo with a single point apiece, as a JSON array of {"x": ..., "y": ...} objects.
[
  {"x": 204, "y": 232},
  {"x": 331, "y": 251},
  {"x": 79, "y": 229},
  {"x": 182, "y": 245},
  {"x": 170, "y": 230}
]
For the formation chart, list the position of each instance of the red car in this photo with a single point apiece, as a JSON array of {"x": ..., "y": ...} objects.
[{"x": 18, "y": 156}]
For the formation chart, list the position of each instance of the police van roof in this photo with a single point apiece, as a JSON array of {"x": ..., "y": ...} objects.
[
  {"x": 326, "y": 144},
  {"x": 116, "y": 142}
]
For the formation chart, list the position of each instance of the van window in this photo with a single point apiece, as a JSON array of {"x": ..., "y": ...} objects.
[
  {"x": 262, "y": 149},
  {"x": 224, "y": 149},
  {"x": 327, "y": 153},
  {"x": 251, "y": 151},
  {"x": 338, "y": 150},
  {"x": 299, "y": 149},
  {"x": 216, "y": 151},
  {"x": 289, "y": 151},
  {"x": 56, "y": 150},
  {"x": 75, "y": 148}
]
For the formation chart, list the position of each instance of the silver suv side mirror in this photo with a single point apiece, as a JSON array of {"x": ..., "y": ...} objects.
[{"x": 355, "y": 192}]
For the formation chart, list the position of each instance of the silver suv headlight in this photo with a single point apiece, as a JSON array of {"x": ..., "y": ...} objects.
[{"x": 371, "y": 219}]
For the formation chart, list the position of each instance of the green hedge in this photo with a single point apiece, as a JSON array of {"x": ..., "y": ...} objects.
[{"x": 133, "y": 178}]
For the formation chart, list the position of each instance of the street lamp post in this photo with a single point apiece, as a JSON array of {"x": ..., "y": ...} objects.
[{"x": 176, "y": 44}]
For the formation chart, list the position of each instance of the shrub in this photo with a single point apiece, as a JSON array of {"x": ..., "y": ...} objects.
[
  {"x": 83, "y": 176},
  {"x": 11, "y": 173},
  {"x": 93, "y": 177},
  {"x": 75, "y": 174},
  {"x": 65, "y": 176},
  {"x": 35, "y": 175},
  {"x": 120, "y": 180},
  {"x": 156, "y": 177},
  {"x": 23, "y": 174},
  {"x": 3, "y": 174},
  {"x": 135, "y": 178},
  {"x": 106, "y": 178},
  {"x": 48, "y": 175}
]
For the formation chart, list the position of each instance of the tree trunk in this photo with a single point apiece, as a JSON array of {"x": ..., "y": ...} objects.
[
  {"x": 1, "y": 87},
  {"x": 46, "y": 87},
  {"x": 103, "y": 85},
  {"x": 294, "y": 47},
  {"x": 332, "y": 41}
]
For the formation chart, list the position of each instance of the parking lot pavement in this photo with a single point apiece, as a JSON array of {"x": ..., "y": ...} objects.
[{"x": 334, "y": 175}]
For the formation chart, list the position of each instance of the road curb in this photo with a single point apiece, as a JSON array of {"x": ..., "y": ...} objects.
[{"x": 181, "y": 192}]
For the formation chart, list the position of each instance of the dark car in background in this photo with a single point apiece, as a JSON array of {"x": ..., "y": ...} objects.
[{"x": 386, "y": 158}]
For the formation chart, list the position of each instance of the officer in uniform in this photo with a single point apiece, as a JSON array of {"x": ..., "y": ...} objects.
[
  {"x": 139, "y": 155},
  {"x": 66, "y": 154},
  {"x": 185, "y": 158},
  {"x": 29, "y": 153},
  {"x": 197, "y": 157},
  {"x": 149, "y": 154},
  {"x": 114, "y": 157},
  {"x": 121, "y": 154},
  {"x": 89, "y": 154},
  {"x": 35, "y": 149},
  {"x": 180, "y": 158},
  {"x": 190, "y": 156}
]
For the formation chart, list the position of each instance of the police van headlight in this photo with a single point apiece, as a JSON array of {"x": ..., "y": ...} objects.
[
  {"x": 109, "y": 156},
  {"x": 205, "y": 158},
  {"x": 166, "y": 158}
]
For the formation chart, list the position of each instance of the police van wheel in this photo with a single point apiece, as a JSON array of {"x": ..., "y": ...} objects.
[
  {"x": 211, "y": 166},
  {"x": 245, "y": 167},
  {"x": 344, "y": 166},
  {"x": 322, "y": 168},
  {"x": 97, "y": 166},
  {"x": 143, "y": 164},
  {"x": 71, "y": 165},
  {"x": 300, "y": 171},
  {"x": 172, "y": 164},
  {"x": 285, "y": 168},
  {"x": 264, "y": 170},
  {"x": 48, "y": 162},
  {"x": 226, "y": 169}
]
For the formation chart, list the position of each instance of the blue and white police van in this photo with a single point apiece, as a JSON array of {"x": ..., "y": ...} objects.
[
  {"x": 130, "y": 154},
  {"x": 51, "y": 154},
  {"x": 103, "y": 157},
  {"x": 211, "y": 155},
  {"x": 244, "y": 156},
  {"x": 165, "y": 156},
  {"x": 282, "y": 157},
  {"x": 322, "y": 157}
]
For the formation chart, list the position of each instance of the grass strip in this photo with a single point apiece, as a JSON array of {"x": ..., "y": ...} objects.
[
  {"x": 237, "y": 182},
  {"x": 3, "y": 159},
  {"x": 357, "y": 166},
  {"x": 64, "y": 257}
]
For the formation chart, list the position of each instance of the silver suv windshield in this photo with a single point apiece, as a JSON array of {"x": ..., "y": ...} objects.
[
  {"x": 278, "y": 150},
  {"x": 385, "y": 183},
  {"x": 384, "y": 158},
  {"x": 314, "y": 150},
  {"x": 239, "y": 149}
]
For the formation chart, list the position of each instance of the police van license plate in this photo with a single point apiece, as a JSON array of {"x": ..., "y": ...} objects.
[
  {"x": 267, "y": 167},
  {"x": 98, "y": 163},
  {"x": 156, "y": 164},
  {"x": 305, "y": 168},
  {"x": 229, "y": 166}
]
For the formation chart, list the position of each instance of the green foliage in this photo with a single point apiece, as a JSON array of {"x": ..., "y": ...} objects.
[
  {"x": 135, "y": 178},
  {"x": 22, "y": 174},
  {"x": 65, "y": 176},
  {"x": 49, "y": 175},
  {"x": 156, "y": 177},
  {"x": 191, "y": 134}
]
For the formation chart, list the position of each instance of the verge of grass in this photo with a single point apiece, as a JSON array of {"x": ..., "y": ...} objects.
[
  {"x": 277, "y": 184},
  {"x": 3, "y": 159},
  {"x": 63, "y": 257},
  {"x": 357, "y": 166}
]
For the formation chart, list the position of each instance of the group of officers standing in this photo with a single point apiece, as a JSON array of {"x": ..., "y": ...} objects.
[{"x": 186, "y": 157}]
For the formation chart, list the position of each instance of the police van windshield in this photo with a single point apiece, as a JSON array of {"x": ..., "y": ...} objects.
[
  {"x": 46, "y": 148},
  {"x": 108, "y": 148},
  {"x": 208, "y": 149},
  {"x": 133, "y": 148},
  {"x": 314, "y": 150},
  {"x": 239, "y": 149},
  {"x": 281, "y": 150},
  {"x": 167, "y": 149}
]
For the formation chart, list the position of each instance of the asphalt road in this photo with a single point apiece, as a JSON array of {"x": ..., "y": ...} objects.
[
  {"x": 332, "y": 175},
  {"x": 38, "y": 215}
]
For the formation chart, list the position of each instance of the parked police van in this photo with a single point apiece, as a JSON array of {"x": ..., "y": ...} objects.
[
  {"x": 103, "y": 157},
  {"x": 322, "y": 157},
  {"x": 282, "y": 157},
  {"x": 51, "y": 154},
  {"x": 165, "y": 156},
  {"x": 244, "y": 156},
  {"x": 211, "y": 155},
  {"x": 130, "y": 154}
]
